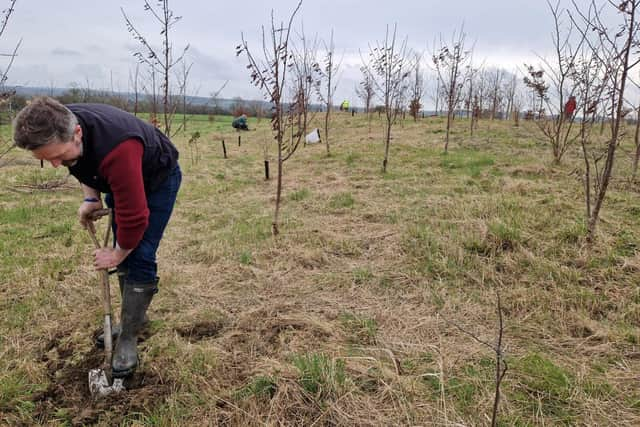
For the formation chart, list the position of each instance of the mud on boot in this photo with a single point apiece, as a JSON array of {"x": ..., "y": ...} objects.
[{"x": 135, "y": 302}]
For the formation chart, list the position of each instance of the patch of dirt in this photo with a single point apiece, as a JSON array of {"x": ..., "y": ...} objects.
[
  {"x": 67, "y": 397},
  {"x": 201, "y": 330}
]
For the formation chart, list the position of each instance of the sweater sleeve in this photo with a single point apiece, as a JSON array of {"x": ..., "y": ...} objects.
[{"x": 122, "y": 168}]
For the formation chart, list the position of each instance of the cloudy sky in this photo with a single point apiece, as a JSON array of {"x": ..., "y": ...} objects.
[{"x": 87, "y": 43}]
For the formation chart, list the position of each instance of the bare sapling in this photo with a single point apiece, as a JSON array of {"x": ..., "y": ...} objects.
[
  {"x": 453, "y": 66},
  {"x": 327, "y": 85},
  {"x": 554, "y": 87},
  {"x": 134, "y": 81},
  {"x": 497, "y": 94},
  {"x": 389, "y": 67},
  {"x": 194, "y": 148},
  {"x": 304, "y": 78},
  {"x": 510, "y": 90},
  {"x": 417, "y": 90},
  {"x": 636, "y": 143},
  {"x": 365, "y": 91},
  {"x": 6, "y": 94},
  {"x": 604, "y": 73},
  {"x": 163, "y": 61},
  {"x": 472, "y": 103},
  {"x": 215, "y": 99},
  {"x": 498, "y": 349},
  {"x": 270, "y": 76},
  {"x": 183, "y": 80}
]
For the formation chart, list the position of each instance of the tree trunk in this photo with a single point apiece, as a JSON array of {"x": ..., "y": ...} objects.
[
  {"x": 274, "y": 226},
  {"x": 386, "y": 147},
  {"x": 446, "y": 138},
  {"x": 636, "y": 139},
  {"x": 326, "y": 129}
]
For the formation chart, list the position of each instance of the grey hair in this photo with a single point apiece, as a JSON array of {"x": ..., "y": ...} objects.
[{"x": 43, "y": 121}]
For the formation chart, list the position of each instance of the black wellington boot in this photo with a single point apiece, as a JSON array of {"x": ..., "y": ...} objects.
[
  {"x": 115, "y": 329},
  {"x": 135, "y": 302}
]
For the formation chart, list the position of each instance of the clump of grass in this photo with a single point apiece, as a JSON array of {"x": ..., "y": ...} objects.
[
  {"x": 299, "y": 195},
  {"x": 319, "y": 375},
  {"x": 15, "y": 388},
  {"x": 467, "y": 162},
  {"x": 543, "y": 386},
  {"x": 260, "y": 387},
  {"x": 573, "y": 232},
  {"x": 362, "y": 275},
  {"x": 477, "y": 246},
  {"x": 421, "y": 243},
  {"x": 351, "y": 158},
  {"x": 361, "y": 330},
  {"x": 504, "y": 236},
  {"x": 246, "y": 258},
  {"x": 626, "y": 244},
  {"x": 250, "y": 232},
  {"x": 341, "y": 201}
]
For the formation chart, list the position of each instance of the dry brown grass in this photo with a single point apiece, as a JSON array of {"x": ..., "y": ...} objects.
[{"x": 361, "y": 288}]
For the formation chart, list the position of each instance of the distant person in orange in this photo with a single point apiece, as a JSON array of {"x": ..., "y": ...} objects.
[{"x": 570, "y": 107}]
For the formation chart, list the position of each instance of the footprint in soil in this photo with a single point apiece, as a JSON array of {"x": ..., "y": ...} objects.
[{"x": 68, "y": 391}]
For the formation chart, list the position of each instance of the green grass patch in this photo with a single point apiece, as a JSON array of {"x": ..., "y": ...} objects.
[
  {"x": 361, "y": 330},
  {"x": 299, "y": 195},
  {"x": 573, "y": 232},
  {"x": 246, "y": 258},
  {"x": 260, "y": 387},
  {"x": 467, "y": 162},
  {"x": 543, "y": 387},
  {"x": 320, "y": 375},
  {"x": 362, "y": 276},
  {"x": 505, "y": 236},
  {"x": 341, "y": 201}
]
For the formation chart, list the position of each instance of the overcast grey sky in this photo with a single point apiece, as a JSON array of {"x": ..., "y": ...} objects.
[{"x": 86, "y": 41}]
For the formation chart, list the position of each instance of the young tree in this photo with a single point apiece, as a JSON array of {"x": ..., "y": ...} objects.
[
  {"x": 496, "y": 91},
  {"x": 305, "y": 77},
  {"x": 327, "y": 85},
  {"x": 161, "y": 62},
  {"x": 603, "y": 80},
  {"x": 636, "y": 143},
  {"x": 472, "y": 102},
  {"x": 270, "y": 76},
  {"x": 554, "y": 123},
  {"x": 389, "y": 68},
  {"x": 215, "y": 97},
  {"x": 365, "y": 91},
  {"x": 183, "y": 79},
  {"x": 510, "y": 89},
  {"x": 417, "y": 90},
  {"x": 6, "y": 94},
  {"x": 453, "y": 66},
  {"x": 539, "y": 89},
  {"x": 134, "y": 81}
]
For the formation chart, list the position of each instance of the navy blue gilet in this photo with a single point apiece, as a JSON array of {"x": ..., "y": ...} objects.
[{"x": 103, "y": 128}]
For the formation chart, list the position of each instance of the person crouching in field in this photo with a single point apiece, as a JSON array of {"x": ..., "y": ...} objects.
[
  {"x": 240, "y": 123},
  {"x": 135, "y": 165}
]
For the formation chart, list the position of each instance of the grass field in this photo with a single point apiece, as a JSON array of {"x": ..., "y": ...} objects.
[{"x": 352, "y": 315}]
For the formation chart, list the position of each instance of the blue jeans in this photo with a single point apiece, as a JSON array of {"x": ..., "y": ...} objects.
[{"x": 140, "y": 266}]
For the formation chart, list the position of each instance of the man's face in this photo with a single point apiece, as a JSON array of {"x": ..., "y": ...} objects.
[{"x": 61, "y": 153}]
